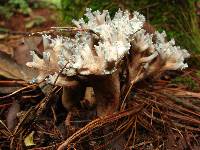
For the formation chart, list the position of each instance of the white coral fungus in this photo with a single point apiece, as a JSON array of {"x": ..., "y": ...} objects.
[
  {"x": 98, "y": 52},
  {"x": 172, "y": 55}
]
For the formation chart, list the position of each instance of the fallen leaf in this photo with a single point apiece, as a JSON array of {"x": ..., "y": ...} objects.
[
  {"x": 6, "y": 49},
  {"x": 22, "y": 47},
  {"x": 28, "y": 141},
  {"x": 34, "y": 43},
  {"x": 3, "y": 33},
  {"x": 3, "y": 36},
  {"x": 11, "y": 118},
  {"x": 21, "y": 52},
  {"x": 8, "y": 90},
  {"x": 10, "y": 69}
]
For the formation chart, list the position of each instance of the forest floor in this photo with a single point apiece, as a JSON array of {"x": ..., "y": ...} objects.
[{"x": 160, "y": 114}]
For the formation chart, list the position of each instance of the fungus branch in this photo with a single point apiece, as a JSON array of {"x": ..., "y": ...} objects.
[{"x": 95, "y": 54}]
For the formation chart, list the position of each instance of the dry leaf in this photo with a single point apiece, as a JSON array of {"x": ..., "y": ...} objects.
[
  {"x": 8, "y": 90},
  {"x": 28, "y": 141},
  {"x": 3, "y": 36},
  {"x": 12, "y": 115},
  {"x": 10, "y": 69},
  {"x": 6, "y": 49},
  {"x": 22, "y": 48}
]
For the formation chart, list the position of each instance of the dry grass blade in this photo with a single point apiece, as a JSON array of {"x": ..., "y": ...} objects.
[
  {"x": 26, "y": 118},
  {"x": 185, "y": 104},
  {"x": 18, "y": 91},
  {"x": 42, "y": 105},
  {"x": 6, "y": 128},
  {"x": 185, "y": 118}
]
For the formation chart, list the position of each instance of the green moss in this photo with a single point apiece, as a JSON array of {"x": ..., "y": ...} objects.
[{"x": 186, "y": 81}]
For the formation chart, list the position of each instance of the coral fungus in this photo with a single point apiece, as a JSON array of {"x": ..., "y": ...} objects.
[{"x": 96, "y": 58}]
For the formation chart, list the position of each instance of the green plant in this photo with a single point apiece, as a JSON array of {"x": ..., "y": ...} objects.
[
  {"x": 75, "y": 9},
  {"x": 186, "y": 81},
  {"x": 21, "y": 5},
  {"x": 185, "y": 26},
  {"x": 8, "y": 9},
  {"x": 5, "y": 11},
  {"x": 178, "y": 17}
]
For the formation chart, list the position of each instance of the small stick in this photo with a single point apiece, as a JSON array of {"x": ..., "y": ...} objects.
[
  {"x": 13, "y": 83},
  {"x": 98, "y": 123}
]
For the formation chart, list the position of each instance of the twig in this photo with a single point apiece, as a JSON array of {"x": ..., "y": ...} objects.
[
  {"x": 20, "y": 90},
  {"x": 175, "y": 124},
  {"x": 8, "y": 131},
  {"x": 98, "y": 123},
  {"x": 13, "y": 83},
  {"x": 138, "y": 76},
  {"x": 179, "y": 101}
]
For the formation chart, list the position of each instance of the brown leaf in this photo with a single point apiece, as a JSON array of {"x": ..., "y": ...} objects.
[
  {"x": 6, "y": 49},
  {"x": 8, "y": 90},
  {"x": 10, "y": 69},
  {"x": 22, "y": 48},
  {"x": 12, "y": 115}
]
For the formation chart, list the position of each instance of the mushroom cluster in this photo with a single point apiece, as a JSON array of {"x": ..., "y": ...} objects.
[{"x": 95, "y": 55}]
